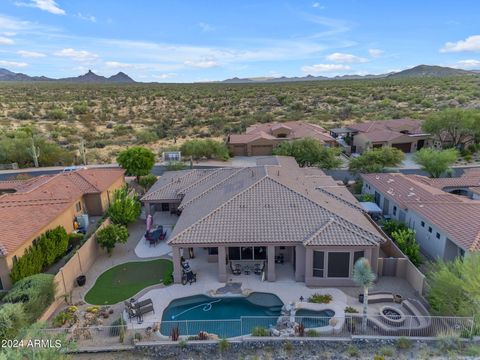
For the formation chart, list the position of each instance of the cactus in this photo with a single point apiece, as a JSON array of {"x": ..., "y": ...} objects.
[{"x": 34, "y": 153}]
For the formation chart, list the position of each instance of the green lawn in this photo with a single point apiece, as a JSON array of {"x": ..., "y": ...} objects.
[{"x": 125, "y": 280}]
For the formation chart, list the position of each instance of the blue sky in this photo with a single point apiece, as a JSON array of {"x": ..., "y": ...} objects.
[{"x": 187, "y": 41}]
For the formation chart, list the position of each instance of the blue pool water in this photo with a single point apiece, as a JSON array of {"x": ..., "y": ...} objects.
[
  {"x": 195, "y": 313},
  {"x": 312, "y": 318}
]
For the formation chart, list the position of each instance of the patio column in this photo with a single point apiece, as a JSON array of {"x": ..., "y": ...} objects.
[
  {"x": 299, "y": 261},
  {"x": 271, "y": 263},
  {"x": 222, "y": 266},
  {"x": 177, "y": 265},
  {"x": 148, "y": 209},
  {"x": 308, "y": 266}
]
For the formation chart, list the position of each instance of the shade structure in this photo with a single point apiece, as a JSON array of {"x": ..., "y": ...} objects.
[{"x": 370, "y": 207}]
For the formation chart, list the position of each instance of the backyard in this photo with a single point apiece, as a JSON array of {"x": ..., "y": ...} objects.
[{"x": 125, "y": 280}]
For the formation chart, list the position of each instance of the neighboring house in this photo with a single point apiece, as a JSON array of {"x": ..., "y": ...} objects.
[
  {"x": 446, "y": 225},
  {"x": 260, "y": 139},
  {"x": 28, "y": 208},
  {"x": 403, "y": 134},
  {"x": 256, "y": 215}
]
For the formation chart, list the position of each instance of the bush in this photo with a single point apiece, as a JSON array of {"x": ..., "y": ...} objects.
[
  {"x": 223, "y": 345},
  {"x": 376, "y": 160},
  {"x": 124, "y": 209},
  {"x": 12, "y": 320},
  {"x": 62, "y": 318},
  {"x": 168, "y": 278},
  {"x": 48, "y": 248},
  {"x": 368, "y": 198},
  {"x": 449, "y": 341},
  {"x": 176, "y": 165},
  {"x": 312, "y": 333},
  {"x": 386, "y": 351},
  {"x": 320, "y": 298},
  {"x": 352, "y": 351},
  {"x": 137, "y": 161},
  {"x": 407, "y": 243},
  {"x": 351, "y": 310},
  {"x": 147, "y": 181},
  {"x": 209, "y": 149},
  {"x": 35, "y": 292},
  {"x": 390, "y": 226},
  {"x": 110, "y": 235},
  {"x": 260, "y": 331},
  {"x": 403, "y": 343}
]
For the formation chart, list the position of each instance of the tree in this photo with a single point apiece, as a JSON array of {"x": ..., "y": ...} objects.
[
  {"x": 208, "y": 148},
  {"x": 147, "y": 181},
  {"x": 454, "y": 287},
  {"x": 137, "y": 161},
  {"x": 110, "y": 235},
  {"x": 376, "y": 160},
  {"x": 435, "y": 162},
  {"x": 309, "y": 152},
  {"x": 364, "y": 277},
  {"x": 452, "y": 126},
  {"x": 124, "y": 209},
  {"x": 405, "y": 239}
]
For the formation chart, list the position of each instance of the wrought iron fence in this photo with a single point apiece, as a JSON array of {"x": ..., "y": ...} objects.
[{"x": 350, "y": 326}]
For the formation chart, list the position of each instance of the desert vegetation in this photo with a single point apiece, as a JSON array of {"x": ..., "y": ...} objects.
[{"x": 106, "y": 118}]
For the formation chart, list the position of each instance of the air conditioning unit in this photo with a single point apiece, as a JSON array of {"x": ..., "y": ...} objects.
[{"x": 83, "y": 221}]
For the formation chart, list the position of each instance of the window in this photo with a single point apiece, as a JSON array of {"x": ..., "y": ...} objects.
[
  {"x": 394, "y": 211},
  {"x": 358, "y": 255},
  {"x": 339, "y": 264},
  {"x": 212, "y": 251},
  {"x": 260, "y": 253},
  {"x": 78, "y": 206},
  {"x": 234, "y": 253},
  {"x": 247, "y": 253},
  {"x": 437, "y": 235},
  {"x": 429, "y": 229},
  {"x": 318, "y": 263},
  {"x": 422, "y": 223}
]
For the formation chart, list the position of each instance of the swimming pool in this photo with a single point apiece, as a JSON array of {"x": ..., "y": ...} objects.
[
  {"x": 197, "y": 313},
  {"x": 313, "y": 318}
]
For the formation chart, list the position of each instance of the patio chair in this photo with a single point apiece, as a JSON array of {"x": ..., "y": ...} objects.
[
  {"x": 257, "y": 269},
  {"x": 143, "y": 303},
  {"x": 237, "y": 270},
  {"x": 246, "y": 270},
  {"x": 145, "y": 310}
]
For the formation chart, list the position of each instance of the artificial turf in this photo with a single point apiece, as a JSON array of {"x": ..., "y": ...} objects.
[{"x": 125, "y": 280}]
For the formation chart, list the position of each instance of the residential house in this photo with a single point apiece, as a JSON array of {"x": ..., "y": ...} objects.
[
  {"x": 403, "y": 134},
  {"x": 276, "y": 214},
  {"x": 260, "y": 139},
  {"x": 29, "y": 208},
  {"x": 446, "y": 224}
]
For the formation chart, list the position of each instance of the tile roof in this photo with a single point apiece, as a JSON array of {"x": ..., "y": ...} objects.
[
  {"x": 298, "y": 130},
  {"x": 388, "y": 130},
  {"x": 456, "y": 215},
  {"x": 267, "y": 204},
  {"x": 40, "y": 200}
]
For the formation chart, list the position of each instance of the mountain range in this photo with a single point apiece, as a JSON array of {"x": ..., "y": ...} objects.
[
  {"x": 89, "y": 78},
  {"x": 420, "y": 71}
]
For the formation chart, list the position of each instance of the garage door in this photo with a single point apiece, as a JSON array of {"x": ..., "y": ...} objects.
[
  {"x": 405, "y": 147},
  {"x": 259, "y": 150},
  {"x": 239, "y": 150}
]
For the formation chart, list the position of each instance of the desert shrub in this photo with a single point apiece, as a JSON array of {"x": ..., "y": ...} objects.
[
  {"x": 473, "y": 351},
  {"x": 208, "y": 148},
  {"x": 62, "y": 318},
  {"x": 386, "y": 351},
  {"x": 403, "y": 343},
  {"x": 260, "y": 331},
  {"x": 176, "y": 165},
  {"x": 56, "y": 114},
  {"x": 449, "y": 341},
  {"x": 35, "y": 292},
  {"x": 146, "y": 136},
  {"x": 312, "y": 333},
  {"x": 352, "y": 351},
  {"x": 223, "y": 345},
  {"x": 12, "y": 320},
  {"x": 320, "y": 298},
  {"x": 47, "y": 249},
  {"x": 147, "y": 181},
  {"x": 351, "y": 310},
  {"x": 378, "y": 357},
  {"x": 368, "y": 197},
  {"x": 168, "y": 278}
]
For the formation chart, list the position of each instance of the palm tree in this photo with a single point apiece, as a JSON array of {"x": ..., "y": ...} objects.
[{"x": 364, "y": 277}]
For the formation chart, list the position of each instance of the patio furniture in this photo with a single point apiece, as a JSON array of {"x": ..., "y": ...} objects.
[
  {"x": 138, "y": 309},
  {"x": 246, "y": 270},
  {"x": 257, "y": 269},
  {"x": 188, "y": 277},
  {"x": 377, "y": 297},
  {"x": 237, "y": 270}
]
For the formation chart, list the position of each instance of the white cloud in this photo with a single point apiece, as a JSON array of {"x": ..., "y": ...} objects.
[
  {"x": 324, "y": 68},
  {"x": 6, "y": 41},
  {"x": 206, "y": 27},
  {"x": 77, "y": 55},
  {"x": 86, "y": 17},
  {"x": 471, "y": 43},
  {"x": 165, "y": 76},
  {"x": 317, "y": 5},
  {"x": 30, "y": 54},
  {"x": 118, "y": 65},
  {"x": 375, "y": 53},
  {"x": 9, "y": 33},
  {"x": 468, "y": 64},
  {"x": 345, "y": 58},
  {"x": 46, "y": 5},
  {"x": 202, "y": 64},
  {"x": 14, "y": 64}
]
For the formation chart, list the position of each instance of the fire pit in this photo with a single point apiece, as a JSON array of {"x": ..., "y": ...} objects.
[{"x": 392, "y": 315}]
